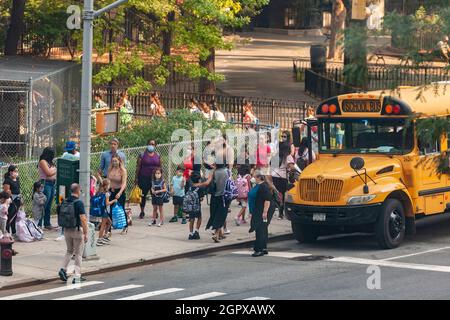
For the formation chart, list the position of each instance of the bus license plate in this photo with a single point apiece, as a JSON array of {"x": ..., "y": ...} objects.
[{"x": 319, "y": 217}]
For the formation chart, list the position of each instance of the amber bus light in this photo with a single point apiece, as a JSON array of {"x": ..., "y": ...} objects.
[
  {"x": 388, "y": 109},
  {"x": 333, "y": 108},
  {"x": 325, "y": 108}
]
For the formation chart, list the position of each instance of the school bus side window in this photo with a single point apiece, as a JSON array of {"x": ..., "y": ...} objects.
[{"x": 428, "y": 145}]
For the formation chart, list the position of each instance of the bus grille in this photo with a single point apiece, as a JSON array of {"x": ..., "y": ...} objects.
[{"x": 327, "y": 191}]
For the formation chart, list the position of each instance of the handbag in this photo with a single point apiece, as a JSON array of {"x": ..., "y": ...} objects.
[
  {"x": 136, "y": 195},
  {"x": 119, "y": 219}
]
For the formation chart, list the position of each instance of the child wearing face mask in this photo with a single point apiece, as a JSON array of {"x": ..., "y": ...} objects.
[
  {"x": 39, "y": 200},
  {"x": 158, "y": 190},
  {"x": 5, "y": 201},
  {"x": 177, "y": 191}
]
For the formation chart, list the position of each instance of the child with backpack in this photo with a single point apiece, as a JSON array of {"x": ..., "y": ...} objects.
[
  {"x": 99, "y": 204},
  {"x": 243, "y": 185},
  {"x": 192, "y": 205},
  {"x": 26, "y": 229},
  {"x": 177, "y": 191},
  {"x": 159, "y": 196},
  {"x": 39, "y": 201}
]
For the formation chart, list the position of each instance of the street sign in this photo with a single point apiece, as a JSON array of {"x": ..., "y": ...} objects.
[{"x": 359, "y": 9}]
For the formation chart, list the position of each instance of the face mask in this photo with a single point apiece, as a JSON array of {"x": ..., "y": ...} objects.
[
  {"x": 253, "y": 180},
  {"x": 158, "y": 175},
  {"x": 115, "y": 164},
  {"x": 179, "y": 174},
  {"x": 151, "y": 148},
  {"x": 41, "y": 189},
  {"x": 14, "y": 174}
]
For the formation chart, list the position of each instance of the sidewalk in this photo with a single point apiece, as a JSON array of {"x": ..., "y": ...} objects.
[
  {"x": 262, "y": 67},
  {"x": 41, "y": 260}
]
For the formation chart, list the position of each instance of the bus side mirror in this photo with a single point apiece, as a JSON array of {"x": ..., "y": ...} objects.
[{"x": 357, "y": 163}]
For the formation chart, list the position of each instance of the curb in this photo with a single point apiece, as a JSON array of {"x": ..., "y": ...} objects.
[{"x": 142, "y": 262}]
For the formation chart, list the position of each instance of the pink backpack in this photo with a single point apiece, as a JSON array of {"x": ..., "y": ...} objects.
[{"x": 242, "y": 187}]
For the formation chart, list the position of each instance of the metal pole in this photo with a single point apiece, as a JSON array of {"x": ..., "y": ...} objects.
[
  {"x": 86, "y": 103},
  {"x": 30, "y": 120}
]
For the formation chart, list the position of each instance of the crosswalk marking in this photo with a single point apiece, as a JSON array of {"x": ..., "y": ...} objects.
[
  {"x": 393, "y": 264},
  {"x": 204, "y": 296},
  {"x": 277, "y": 254},
  {"x": 49, "y": 291},
  {"x": 100, "y": 292},
  {"x": 257, "y": 298},
  {"x": 151, "y": 294}
]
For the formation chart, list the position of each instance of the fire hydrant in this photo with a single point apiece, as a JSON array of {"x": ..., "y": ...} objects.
[{"x": 6, "y": 256}]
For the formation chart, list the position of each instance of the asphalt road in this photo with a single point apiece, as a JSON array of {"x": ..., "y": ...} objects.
[{"x": 333, "y": 268}]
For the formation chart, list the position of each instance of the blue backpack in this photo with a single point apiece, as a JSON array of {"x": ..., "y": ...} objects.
[
  {"x": 98, "y": 205},
  {"x": 231, "y": 192}
]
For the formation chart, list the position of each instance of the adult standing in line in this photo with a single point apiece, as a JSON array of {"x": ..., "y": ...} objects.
[
  {"x": 279, "y": 173},
  {"x": 75, "y": 237},
  {"x": 147, "y": 162},
  {"x": 11, "y": 185},
  {"x": 47, "y": 174},
  {"x": 117, "y": 175},
  {"x": 106, "y": 156},
  {"x": 262, "y": 208},
  {"x": 218, "y": 208},
  {"x": 286, "y": 137}
]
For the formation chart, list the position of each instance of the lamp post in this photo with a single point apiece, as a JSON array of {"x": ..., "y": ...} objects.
[{"x": 86, "y": 95}]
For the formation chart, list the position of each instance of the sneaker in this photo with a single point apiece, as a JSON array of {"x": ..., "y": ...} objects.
[
  {"x": 196, "y": 235},
  {"x": 227, "y": 231},
  {"x": 100, "y": 243},
  {"x": 152, "y": 223},
  {"x": 62, "y": 274},
  {"x": 160, "y": 224},
  {"x": 60, "y": 238},
  {"x": 107, "y": 240},
  {"x": 78, "y": 280},
  {"x": 183, "y": 221},
  {"x": 237, "y": 222},
  {"x": 174, "y": 219},
  {"x": 141, "y": 215},
  {"x": 191, "y": 236}
]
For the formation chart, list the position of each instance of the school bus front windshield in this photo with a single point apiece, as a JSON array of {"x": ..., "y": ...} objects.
[{"x": 362, "y": 136}]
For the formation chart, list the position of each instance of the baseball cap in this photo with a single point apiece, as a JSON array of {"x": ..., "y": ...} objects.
[{"x": 70, "y": 146}]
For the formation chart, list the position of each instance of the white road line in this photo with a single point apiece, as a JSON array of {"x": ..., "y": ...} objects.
[
  {"x": 100, "y": 292},
  {"x": 257, "y": 298},
  {"x": 204, "y": 296},
  {"x": 277, "y": 254},
  {"x": 393, "y": 264},
  {"x": 416, "y": 254},
  {"x": 151, "y": 294},
  {"x": 42, "y": 292}
]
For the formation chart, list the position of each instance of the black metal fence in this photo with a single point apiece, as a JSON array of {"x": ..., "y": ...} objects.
[
  {"x": 331, "y": 81},
  {"x": 268, "y": 111},
  {"x": 322, "y": 86}
]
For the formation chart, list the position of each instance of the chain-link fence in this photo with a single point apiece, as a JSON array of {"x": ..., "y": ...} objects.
[{"x": 171, "y": 156}]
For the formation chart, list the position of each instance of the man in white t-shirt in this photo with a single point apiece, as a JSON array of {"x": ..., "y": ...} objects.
[{"x": 71, "y": 152}]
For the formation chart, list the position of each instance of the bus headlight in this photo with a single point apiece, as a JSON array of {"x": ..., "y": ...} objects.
[{"x": 360, "y": 199}]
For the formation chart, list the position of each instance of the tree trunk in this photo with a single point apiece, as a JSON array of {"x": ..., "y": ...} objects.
[
  {"x": 337, "y": 26},
  {"x": 205, "y": 85},
  {"x": 167, "y": 34},
  {"x": 355, "y": 52},
  {"x": 15, "y": 27}
]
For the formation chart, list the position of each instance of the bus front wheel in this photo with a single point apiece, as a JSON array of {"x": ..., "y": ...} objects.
[
  {"x": 305, "y": 233},
  {"x": 390, "y": 226}
]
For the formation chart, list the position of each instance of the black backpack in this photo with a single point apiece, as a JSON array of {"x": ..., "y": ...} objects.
[{"x": 67, "y": 217}]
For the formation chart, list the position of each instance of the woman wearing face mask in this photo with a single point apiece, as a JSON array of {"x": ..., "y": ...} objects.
[
  {"x": 117, "y": 175},
  {"x": 286, "y": 137},
  {"x": 11, "y": 185},
  {"x": 147, "y": 162}
]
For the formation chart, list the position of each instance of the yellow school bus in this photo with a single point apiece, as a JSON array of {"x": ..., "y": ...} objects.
[{"x": 373, "y": 173}]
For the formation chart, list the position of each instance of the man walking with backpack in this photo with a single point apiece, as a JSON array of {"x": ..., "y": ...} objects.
[{"x": 72, "y": 216}]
